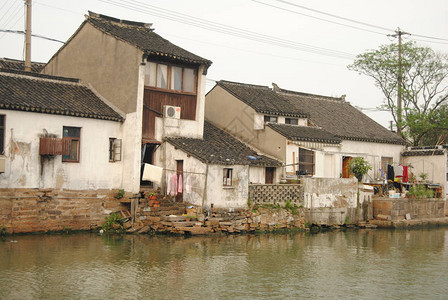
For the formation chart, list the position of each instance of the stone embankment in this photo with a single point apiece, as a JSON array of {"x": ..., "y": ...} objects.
[{"x": 166, "y": 216}]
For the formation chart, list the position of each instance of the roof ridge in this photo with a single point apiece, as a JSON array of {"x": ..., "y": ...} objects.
[
  {"x": 39, "y": 76},
  {"x": 309, "y": 95},
  {"x": 244, "y": 84},
  {"x": 119, "y": 21}
]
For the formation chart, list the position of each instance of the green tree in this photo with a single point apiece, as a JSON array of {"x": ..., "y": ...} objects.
[{"x": 424, "y": 88}]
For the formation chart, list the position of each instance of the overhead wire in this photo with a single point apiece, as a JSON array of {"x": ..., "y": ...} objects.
[
  {"x": 225, "y": 29},
  {"x": 352, "y": 20}
]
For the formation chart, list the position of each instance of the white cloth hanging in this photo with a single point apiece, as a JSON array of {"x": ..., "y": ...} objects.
[{"x": 152, "y": 173}]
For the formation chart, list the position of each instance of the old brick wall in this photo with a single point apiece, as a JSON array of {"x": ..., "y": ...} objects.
[
  {"x": 396, "y": 209},
  {"x": 276, "y": 194},
  {"x": 35, "y": 210}
]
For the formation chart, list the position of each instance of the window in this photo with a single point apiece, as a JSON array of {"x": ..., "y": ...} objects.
[
  {"x": 169, "y": 77},
  {"x": 114, "y": 150},
  {"x": 306, "y": 162},
  {"x": 73, "y": 136},
  {"x": 227, "y": 178},
  {"x": 270, "y": 119},
  {"x": 291, "y": 121},
  {"x": 2, "y": 134}
]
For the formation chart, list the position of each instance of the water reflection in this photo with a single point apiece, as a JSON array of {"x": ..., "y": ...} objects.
[{"x": 350, "y": 265}]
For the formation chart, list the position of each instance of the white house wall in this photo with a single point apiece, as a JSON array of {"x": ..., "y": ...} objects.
[
  {"x": 23, "y": 162},
  {"x": 371, "y": 152},
  {"x": 228, "y": 197},
  {"x": 436, "y": 167},
  {"x": 216, "y": 194}
]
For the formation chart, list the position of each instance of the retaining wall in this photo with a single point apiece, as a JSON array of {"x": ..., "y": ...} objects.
[
  {"x": 34, "y": 210},
  {"x": 396, "y": 209}
]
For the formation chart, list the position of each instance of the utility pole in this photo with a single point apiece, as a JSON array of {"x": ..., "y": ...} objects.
[
  {"x": 28, "y": 36},
  {"x": 399, "y": 33}
]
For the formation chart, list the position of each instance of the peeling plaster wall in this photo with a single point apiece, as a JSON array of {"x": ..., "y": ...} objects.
[
  {"x": 25, "y": 168},
  {"x": 228, "y": 197},
  {"x": 330, "y": 192}
]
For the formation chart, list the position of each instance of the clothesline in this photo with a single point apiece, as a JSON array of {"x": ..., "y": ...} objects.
[{"x": 183, "y": 172}]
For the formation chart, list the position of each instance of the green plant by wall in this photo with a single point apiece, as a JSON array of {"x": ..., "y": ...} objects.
[
  {"x": 423, "y": 176},
  {"x": 291, "y": 207},
  {"x": 3, "y": 231},
  {"x": 359, "y": 167},
  {"x": 119, "y": 194},
  {"x": 419, "y": 191},
  {"x": 113, "y": 223}
]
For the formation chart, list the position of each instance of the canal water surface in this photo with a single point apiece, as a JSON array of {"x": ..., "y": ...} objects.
[{"x": 377, "y": 264}]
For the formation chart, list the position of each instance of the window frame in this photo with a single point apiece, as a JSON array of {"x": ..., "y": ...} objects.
[
  {"x": 169, "y": 78},
  {"x": 288, "y": 121},
  {"x": 70, "y": 139},
  {"x": 304, "y": 165},
  {"x": 269, "y": 121},
  {"x": 114, "y": 149},
  {"x": 227, "y": 178}
]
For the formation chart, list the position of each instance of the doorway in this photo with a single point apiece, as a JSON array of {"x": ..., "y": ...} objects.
[
  {"x": 269, "y": 175},
  {"x": 180, "y": 180}
]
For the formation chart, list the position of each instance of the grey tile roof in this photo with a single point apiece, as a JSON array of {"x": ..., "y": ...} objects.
[
  {"x": 340, "y": 118},
  {"x": 262, "y": 99},
  {"x": 304, "y": 133},
  {"x": 332, "y": 114},
  {"x": 219, "y": 147},
  {"x": 19, "y": 65},
  {"x": 143, "y": 37},
  {"x": 52, "y": 95},
  {"x": 423, "y": 152}
]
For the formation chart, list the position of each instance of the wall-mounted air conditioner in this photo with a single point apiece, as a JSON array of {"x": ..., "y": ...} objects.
[{"x": 172, "y": 112}]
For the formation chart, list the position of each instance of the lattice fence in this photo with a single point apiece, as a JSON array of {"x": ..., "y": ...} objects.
[{"x": 276, "y": 194}]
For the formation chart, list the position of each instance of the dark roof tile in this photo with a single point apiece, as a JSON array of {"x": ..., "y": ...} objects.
[
  {"x": 144, "y": 38},
  {"x": 219, "y": 147},
  {"x": 262, "y": 99},
  {"x": 304, "y": 133},
  {"x": 19, "y": 65},
  {"x": 340, "y": 118},
  {"x": 52, "y": 95}
]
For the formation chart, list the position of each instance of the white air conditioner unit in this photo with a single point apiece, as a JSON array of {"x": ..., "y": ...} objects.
[{"x": 172, "y": 112}]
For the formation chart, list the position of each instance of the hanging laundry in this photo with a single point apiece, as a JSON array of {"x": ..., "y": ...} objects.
[
  {"x": 173, "y": 191},
  {"x": 398, "y": 170},
  {"x": 152, "y": 173},
  {"x": 390, "y": 173},
  {"x": 168, "y": 183},
  {"x": 405, "y": 174},
  {"x": 188, "y": 184},
  {"x": 180, "y": 184}
]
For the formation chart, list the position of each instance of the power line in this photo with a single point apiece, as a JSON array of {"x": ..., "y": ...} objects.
[
  {"x": 34, "y": 35},
  {"x": 317, "y": 18},
  {"x": 354, "y": 21},
  {"x": 225, "y": 29}
]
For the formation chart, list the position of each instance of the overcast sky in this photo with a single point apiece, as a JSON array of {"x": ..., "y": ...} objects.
[{"x": 307, "y": 44}]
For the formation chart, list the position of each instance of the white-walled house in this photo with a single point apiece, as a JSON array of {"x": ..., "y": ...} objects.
[
  {"x": 57, "y": 133},
  {"x": 311, "y": 134},
  {"x": 159, "y": 86},
  {"x": 218, "y": 168}
]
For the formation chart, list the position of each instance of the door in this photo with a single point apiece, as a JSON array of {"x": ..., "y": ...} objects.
[
  {"x": 270, "y": 175},
  {"x": 345, "y": 166},
  {"x": 180, "y": 180}
]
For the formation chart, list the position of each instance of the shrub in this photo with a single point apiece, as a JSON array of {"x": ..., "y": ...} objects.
[
  {"x": 419, "y": 191},
  {"x": 359, "y": 167},
  {"x": 113, "y": 223}
]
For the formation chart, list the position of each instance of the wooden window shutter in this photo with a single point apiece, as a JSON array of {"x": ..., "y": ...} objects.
[{"x": 53, "y": 146}]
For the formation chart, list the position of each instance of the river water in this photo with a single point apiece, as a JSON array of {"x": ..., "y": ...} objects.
[{"x": 361, "y": 264}]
